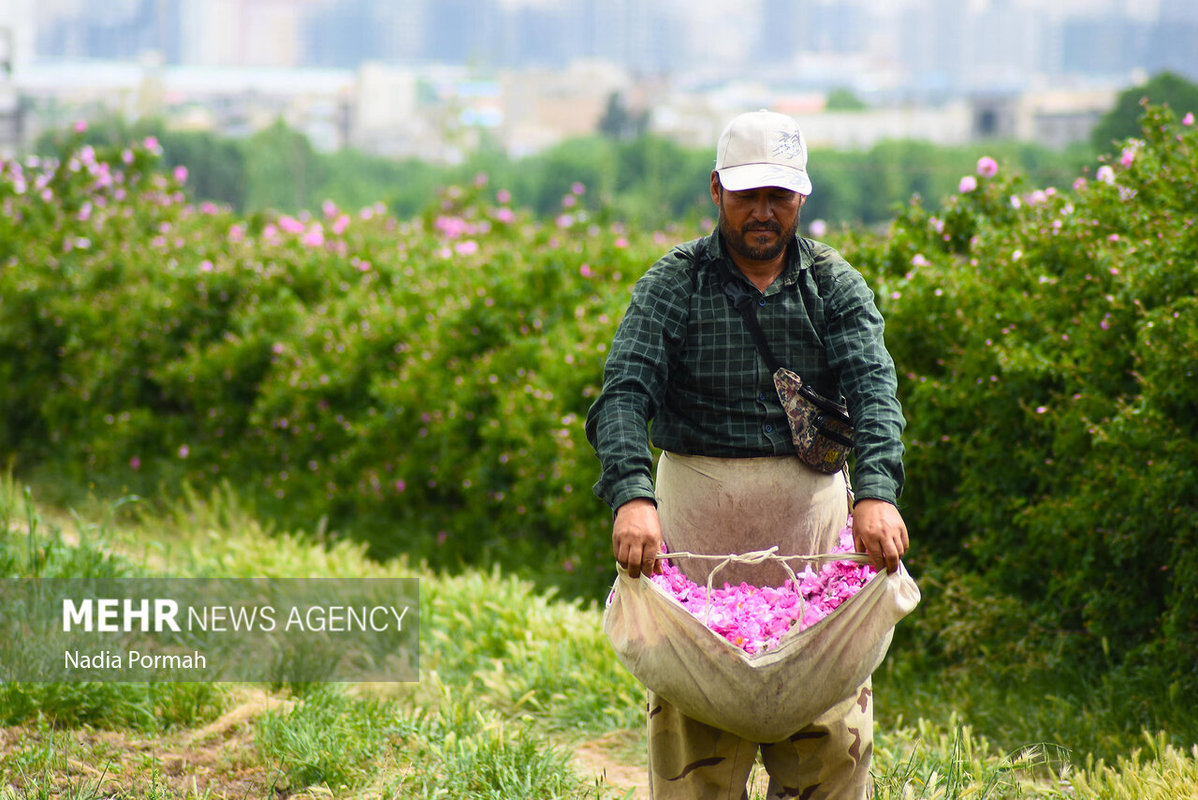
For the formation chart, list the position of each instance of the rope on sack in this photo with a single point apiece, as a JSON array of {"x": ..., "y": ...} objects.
[{"x": 758, "y": 556}]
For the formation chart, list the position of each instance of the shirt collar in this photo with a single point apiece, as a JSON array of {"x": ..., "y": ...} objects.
[{"x": 797, "y": 260}]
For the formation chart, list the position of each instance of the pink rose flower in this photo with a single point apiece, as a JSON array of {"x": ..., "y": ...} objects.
[
  {"x": 290, "y": 224},
  {"x": 315, "y": 235},
  {"x": 755, "y": 618}
]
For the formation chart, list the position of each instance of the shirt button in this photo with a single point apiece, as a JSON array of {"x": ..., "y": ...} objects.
[
  {"x": 761, "y": 302},
  {"x": 761, "y": 397},
  {"x": 769, "y": 428}
]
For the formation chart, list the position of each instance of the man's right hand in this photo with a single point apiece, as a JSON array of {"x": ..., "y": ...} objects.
[{"x": 636, "y": 537}]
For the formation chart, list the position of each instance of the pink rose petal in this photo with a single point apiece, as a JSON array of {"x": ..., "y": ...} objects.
[{"x": 755, "y": 618}]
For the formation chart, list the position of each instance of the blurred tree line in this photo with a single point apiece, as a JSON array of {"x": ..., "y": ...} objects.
[{"x": 628, "y": 173}]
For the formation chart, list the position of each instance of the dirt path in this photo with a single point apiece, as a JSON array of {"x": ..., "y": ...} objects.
[
  {"x": 209, "y": 761},
  {"x": 606, "y": 761}
]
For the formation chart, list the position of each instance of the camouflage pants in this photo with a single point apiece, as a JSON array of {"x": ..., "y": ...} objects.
[{"x": 827, "y": 760}]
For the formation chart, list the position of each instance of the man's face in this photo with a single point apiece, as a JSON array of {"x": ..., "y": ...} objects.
[{"x": 757, "y": 224}]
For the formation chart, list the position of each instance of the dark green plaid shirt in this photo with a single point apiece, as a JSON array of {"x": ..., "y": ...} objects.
[{"x": 684, "y": 374}]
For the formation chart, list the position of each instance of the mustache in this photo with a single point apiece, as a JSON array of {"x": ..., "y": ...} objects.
[{"x": 762, "y": 226}]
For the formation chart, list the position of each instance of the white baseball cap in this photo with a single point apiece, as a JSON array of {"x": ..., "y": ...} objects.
[{"x": 763, "y": 148}]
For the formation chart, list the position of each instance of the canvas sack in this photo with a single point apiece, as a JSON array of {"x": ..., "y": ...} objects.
[{"x": 767, "y": 696}]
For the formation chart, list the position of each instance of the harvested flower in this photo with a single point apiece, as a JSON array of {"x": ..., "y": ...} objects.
[{"x": 754, "y": 618}]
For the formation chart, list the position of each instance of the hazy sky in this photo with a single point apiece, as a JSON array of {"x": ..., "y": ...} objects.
[{"x": 722, "y": 8}]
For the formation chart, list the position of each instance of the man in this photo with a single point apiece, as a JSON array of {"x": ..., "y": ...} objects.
[{"x": 728, "y": 480}]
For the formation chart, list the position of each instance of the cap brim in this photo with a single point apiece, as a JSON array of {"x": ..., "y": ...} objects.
[{"x": 758, "y": 176}]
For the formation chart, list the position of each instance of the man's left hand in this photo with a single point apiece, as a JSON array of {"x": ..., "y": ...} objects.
[{"x": 879, "y": 530}]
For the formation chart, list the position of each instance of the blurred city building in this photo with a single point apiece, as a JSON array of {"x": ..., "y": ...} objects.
[{"x": 435, "y": 78}]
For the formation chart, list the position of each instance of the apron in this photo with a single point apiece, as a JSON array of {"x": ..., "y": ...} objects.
[{"x": 719, "y": 506}]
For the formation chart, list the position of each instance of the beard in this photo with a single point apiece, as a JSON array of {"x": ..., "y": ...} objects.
[{"x": 745, "y": 244}]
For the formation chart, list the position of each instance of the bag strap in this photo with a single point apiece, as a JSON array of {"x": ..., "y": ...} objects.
[{"x": 742, "y": 300}]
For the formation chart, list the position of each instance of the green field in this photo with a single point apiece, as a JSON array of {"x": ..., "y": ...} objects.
[{"x": 520, "y": 695}]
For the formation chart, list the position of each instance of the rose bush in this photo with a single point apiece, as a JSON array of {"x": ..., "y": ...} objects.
[
  {"x": 418, "y": 383},
  {"x": 1047, "y": 343}
]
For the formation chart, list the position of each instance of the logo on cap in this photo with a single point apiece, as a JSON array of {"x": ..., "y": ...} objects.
[{"x": 789, "y": 145}]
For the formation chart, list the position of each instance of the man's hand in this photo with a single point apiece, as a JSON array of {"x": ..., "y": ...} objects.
[
  {"x": 879, "y": 530},
  {"x": 636, "y": 537}
]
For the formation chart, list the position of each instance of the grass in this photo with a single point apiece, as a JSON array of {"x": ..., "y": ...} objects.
[
  {"x": 927, "y": 761},
  {"x": 1158, "y": 770},
  {"x": 512, "y": 682},
  {"x": 463, "y": 750},
  {"x": 328, "y": 739}
]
